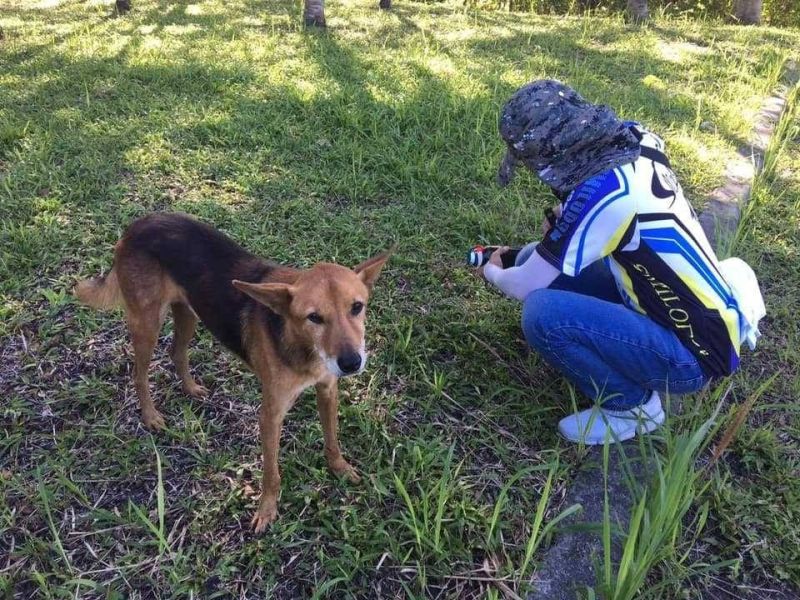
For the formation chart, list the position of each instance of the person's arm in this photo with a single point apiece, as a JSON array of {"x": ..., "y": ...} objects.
[
  {"x": 594, "y": 221},
  {"x": 517, "y": 282},
  {"x": 591, "y": 225}
]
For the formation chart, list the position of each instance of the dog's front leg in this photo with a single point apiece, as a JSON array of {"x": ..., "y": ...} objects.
[
  {"x": 328, "y": 406},
  {"x": 270, "y": 421}
]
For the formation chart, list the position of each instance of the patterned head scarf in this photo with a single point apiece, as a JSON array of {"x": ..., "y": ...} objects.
[{"x": 565, "y": 140}]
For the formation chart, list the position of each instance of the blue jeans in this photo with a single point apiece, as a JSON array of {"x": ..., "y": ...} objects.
[{"x": 610, "y": 352}]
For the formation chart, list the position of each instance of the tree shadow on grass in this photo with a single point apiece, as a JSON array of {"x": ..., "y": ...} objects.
[
  {"x": 407, "y": 163},
  {"x": 337, "y": 160},
  {"x": 362, "y": 147},
  {"x": 192, "y": 122}
]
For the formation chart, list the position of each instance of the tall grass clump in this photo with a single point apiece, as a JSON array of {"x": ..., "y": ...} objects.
[
  {"x": 659, "y": 526},
  {"x": 657, "y": 516}
]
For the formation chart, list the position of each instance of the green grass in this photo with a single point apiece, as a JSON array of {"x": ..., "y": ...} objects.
[
  {"x": 739, "y": 539},
  {"x": 754, "y": 493},
  {"x": 307, "y": 147}
]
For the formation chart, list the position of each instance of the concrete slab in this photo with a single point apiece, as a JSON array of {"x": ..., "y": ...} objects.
[{"x": 569, "y": 565}]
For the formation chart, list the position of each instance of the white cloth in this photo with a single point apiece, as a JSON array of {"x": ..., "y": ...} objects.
[
  {"x": 517, "y": 282},
  {"x": 744, "y": 287}
]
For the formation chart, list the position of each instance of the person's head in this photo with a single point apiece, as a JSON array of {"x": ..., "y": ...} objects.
[{"x": 564, "y": 139}]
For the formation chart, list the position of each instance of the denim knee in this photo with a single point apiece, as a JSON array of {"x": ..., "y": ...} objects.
[{"x": 537, "y": 317}]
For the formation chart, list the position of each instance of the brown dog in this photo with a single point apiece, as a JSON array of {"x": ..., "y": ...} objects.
[{"x": 294, "y": 328}]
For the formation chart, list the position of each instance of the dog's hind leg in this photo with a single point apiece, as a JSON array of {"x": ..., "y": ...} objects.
[
  {"x": 144, "y": 326},
  {"x": 328, "y": 406},
  {"x": 185, "y": 323},
  {"x": 142, "y": 286}
]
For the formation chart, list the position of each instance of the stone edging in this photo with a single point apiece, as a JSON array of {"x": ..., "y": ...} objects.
[
  {"x": 720, "y": 218},
  {"x": 569, "y": 563}
]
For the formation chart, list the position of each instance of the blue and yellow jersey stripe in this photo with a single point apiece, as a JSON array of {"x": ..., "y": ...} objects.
[{"x": 637, "y": 219}]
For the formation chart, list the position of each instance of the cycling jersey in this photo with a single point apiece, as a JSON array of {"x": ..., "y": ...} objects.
[{"x": 637, "y": 219}]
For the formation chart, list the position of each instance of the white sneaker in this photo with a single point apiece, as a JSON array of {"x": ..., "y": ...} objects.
[{"x": 590, "y": 426}]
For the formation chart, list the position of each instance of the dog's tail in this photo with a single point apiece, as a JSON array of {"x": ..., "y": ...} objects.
[{"x": 100, "y": 292}]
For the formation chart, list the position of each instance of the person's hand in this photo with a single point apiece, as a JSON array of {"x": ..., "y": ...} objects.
[
  {"x": 495, "y": 259},
  {"x": 546, "y": 224}
]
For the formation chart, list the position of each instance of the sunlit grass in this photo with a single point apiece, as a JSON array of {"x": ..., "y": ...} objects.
[{"x": 308, "y": 146}]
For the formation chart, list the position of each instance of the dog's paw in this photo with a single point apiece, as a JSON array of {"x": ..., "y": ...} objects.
[
  {"x": 352, "y": 475},
  {"x": 195, "y": 390},
  {"x": 346, "y": 471},
  {"x": 263, "y": 517},
  {"x": 153, "y": 420}
]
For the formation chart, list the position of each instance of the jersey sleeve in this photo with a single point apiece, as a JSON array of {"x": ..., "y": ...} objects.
[
  {"x": 517, "y": 282},
  {"x": 594, "y": 219}
]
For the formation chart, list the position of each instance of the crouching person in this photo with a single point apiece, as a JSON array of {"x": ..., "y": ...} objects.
[{"x": 624, "y": 294}]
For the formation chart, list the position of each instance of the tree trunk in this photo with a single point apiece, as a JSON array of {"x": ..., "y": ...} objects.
[
  {"x": 314, "y": 13},
  {"x": 637, "y": 11},
  {"x": 123, "y": 6},
  {"x": 747, "y": 12},
  {"x": 385, "y": 4}
]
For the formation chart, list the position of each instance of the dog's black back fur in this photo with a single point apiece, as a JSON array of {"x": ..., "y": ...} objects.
[{"x": 204, "y": 261}]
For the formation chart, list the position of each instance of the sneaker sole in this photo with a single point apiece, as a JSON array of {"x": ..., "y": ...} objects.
[{"x": 644, "y": 427}]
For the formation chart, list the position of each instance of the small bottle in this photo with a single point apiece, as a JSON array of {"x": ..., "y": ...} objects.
[{"x": 480, "y": 255}]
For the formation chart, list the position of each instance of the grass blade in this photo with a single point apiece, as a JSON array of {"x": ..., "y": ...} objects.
[
  {"x": 159, "y": 498},
  {"x": 414, "y": 525},
  {"x": 442, "y": 500},
  {"x": 43, "y": 494}
]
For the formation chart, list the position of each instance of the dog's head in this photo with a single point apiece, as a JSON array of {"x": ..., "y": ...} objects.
[{"x": 326, "y": 306}]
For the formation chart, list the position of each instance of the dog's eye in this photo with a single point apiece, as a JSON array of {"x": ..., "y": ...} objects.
[
  {"x": 357, "y": 308},
  {"x": 315, "y": 318}
]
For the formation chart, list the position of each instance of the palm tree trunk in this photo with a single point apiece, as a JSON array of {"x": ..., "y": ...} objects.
[
  {"x": 314, "y": 13},
  {"x": 747, "y": 12},
  {"x": 637, "y": 11}
]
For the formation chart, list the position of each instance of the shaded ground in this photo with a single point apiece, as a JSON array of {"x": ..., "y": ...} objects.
[{"x": 311, "y": 147}]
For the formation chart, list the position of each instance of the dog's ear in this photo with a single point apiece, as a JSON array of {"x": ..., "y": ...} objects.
[
  {"x": 369, "y": 270},
  {"x": 277, "y": 296}
]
